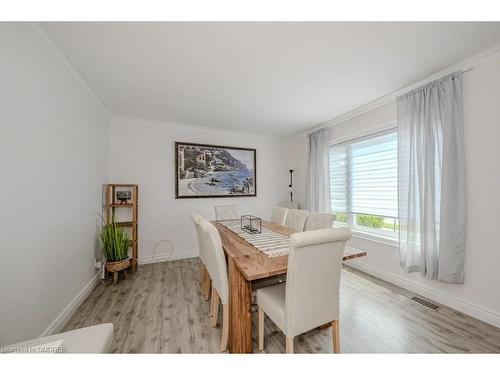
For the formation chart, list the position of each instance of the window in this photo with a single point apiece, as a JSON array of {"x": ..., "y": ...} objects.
[{"x": 364, "y": 183}]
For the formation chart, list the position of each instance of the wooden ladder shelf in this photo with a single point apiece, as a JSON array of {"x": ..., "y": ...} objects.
[{"x": 111, "y": 204}]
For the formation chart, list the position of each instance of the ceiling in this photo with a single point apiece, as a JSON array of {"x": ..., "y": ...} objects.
[{"x": 273, "y": 78}]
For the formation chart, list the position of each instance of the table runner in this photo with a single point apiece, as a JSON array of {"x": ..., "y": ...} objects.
[{"x": 270, "y": 243}]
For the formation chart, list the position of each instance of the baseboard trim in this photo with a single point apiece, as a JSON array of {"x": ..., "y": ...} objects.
[
  {"x": 57, "y": 325},
  {"x": 467, "y": 308},
  {"x": 176, "y": 255}
]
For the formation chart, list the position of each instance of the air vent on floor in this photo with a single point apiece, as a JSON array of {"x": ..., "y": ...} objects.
[{"x": 425, "y": 303}]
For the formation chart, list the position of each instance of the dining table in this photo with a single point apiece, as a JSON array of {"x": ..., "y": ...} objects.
[{"x": 248, "y": 269}]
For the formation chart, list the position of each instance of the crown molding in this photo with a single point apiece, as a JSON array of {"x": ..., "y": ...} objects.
[
  {"x": 464, "y": 65},
  {"x": 200, "y": 127},
  {"x": 55, "y": 42}
]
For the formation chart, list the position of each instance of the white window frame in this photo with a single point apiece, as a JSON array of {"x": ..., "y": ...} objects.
[{"x": 387, "y": 238}]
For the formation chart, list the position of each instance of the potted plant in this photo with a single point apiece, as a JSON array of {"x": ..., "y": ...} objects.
[{"x": 115, "y": 244}]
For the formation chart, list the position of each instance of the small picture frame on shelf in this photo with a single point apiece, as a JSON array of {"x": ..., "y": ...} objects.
[{"x": 123, "y": 196}]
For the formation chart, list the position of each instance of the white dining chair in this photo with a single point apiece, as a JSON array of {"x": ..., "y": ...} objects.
[
  {"x": 278, "y": 216},
  {"x": 318, "y": 220},
  {"x": 289, "y": 205},
  {"x": 295, "y": 219},
  {"x": 205, "y": 280},
  {"x": 216, "y": 266},
  {"x": 227, "y": 212},
  {"x": 310, "y": 296}
]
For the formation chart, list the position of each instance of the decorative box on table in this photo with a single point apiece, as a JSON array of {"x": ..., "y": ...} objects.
[{"x": 251, "y": 224}]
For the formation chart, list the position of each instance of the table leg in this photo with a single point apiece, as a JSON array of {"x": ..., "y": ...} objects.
[{"x": 240, "y": 305}]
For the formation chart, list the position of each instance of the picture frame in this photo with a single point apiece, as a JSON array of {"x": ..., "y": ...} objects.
[{"x": 214, "y": 171}]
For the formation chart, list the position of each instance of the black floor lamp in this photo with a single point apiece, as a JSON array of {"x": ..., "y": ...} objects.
[{"x": 291, "y": 184}]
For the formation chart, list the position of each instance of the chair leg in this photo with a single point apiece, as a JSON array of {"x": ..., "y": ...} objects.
[
  {"x": 225, "y": 327},
  {"x": 261, "y": 329},
  {"x": 211, "y": 312},
  {"x": 336, "y": 336},
  {"x": 215, "y": 307},
  {"x": 203, "y": 281},
  {"x": 289, "y": 344},
  {"x": 202, "y": 275},
  {"x": 206, "y": 286}
]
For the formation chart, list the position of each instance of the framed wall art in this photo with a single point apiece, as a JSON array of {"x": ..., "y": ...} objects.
[{"x": 210, "y": 171}]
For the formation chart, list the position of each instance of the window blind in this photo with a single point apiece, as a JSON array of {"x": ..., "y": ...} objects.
[
  {"x": 338, "y": 179},
  {"x": 364, "y": 175}
]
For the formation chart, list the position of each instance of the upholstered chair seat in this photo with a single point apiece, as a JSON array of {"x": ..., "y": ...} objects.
[{"x": 272, "y": 301}]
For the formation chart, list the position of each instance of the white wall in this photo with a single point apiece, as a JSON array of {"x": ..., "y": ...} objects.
[
  {"x": 142, "y": 152},
  {"x": 479, "y": 295},
  {"x": 53, "y": 160}
]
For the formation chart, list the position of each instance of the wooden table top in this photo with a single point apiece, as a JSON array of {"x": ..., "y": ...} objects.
[{"x": 253, "y": 263}]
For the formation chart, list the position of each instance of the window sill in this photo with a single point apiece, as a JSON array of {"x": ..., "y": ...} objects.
[{"x": 390, "y": 241}]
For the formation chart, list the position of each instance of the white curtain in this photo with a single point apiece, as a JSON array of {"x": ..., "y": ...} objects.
[
  {"x": 432, "y": 180},
  {"x": 318, "y": 173}
]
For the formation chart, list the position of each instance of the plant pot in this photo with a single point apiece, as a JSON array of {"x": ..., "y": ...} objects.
[{"x": 116, "y": 267}]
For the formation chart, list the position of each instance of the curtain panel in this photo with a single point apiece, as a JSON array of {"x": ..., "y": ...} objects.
[
  {"x": 431, "y": 169},
  {"x": 318, "y": 173}
]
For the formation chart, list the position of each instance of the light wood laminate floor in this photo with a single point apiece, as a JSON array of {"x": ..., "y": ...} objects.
[{"x": 159, "y": 309}]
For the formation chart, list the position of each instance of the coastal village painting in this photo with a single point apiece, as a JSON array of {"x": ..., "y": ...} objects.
[{"x": 207, "y": 171}]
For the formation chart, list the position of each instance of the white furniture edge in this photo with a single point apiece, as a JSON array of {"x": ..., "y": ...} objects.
[{"x": 478, "y": 312}]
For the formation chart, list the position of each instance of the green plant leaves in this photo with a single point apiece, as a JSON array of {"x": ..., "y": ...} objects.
[{"x": 115, "y": 242}]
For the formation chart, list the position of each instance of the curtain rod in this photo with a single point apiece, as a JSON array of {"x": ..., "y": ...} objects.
[{"x": 366, "y": 136}]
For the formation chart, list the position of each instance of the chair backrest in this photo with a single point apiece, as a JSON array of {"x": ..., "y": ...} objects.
[
  {"x": 317, "y": 220},
  {"x": 215, "y": 259},
  {"x": 295, "y": 219},
  {"x": 290, "y": 205},
  {"x": 228, "y": 212},
  {"x": 313, "y": 279},
  {"x": 197, "y": 220},
  {"x": 279, "y": 215}
]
